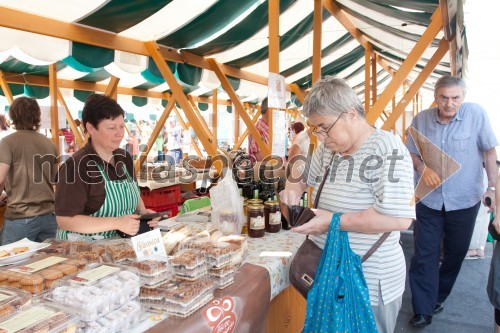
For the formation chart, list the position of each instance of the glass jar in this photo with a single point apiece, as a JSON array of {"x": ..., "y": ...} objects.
[
  {"x": 254, "y": 202},
  {"x": 244, "y": 229},
  {"x": 272, "y": 216},
  {"x": 255, "y": 221}
]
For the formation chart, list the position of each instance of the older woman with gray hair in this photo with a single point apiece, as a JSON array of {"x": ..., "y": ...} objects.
[{"x": 370, "y": 183}]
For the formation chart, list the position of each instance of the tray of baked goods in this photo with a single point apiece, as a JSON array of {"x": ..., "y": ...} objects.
[
  {"x": 178, "y": 297},
  {"x": 153, "y": 272},
  {"x": 12, "y": 300},
  {"x": 97, "y": 290},
  {"x": 38, "y": 274},
  {"x": 42, "y": 317},
  {"x": 19, "y": 251},
  {"x": 120, "y": 320}
]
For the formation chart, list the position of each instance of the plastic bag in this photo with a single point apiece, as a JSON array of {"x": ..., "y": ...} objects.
[{"x": 227, "y": 206}]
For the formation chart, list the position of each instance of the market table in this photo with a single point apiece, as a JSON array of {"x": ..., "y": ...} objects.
[{"x": 260, "y": 299}]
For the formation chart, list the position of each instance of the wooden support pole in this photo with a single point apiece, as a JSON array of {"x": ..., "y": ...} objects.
[
  {"x": 317, "y": 32},
  {"x": 236, "y": 126},
  {"x": 274, "y": 57},
  {"x": 407, "y": 66},
  {"x": 215, "y": 112},
  {"x": 112, "y": 89},
  {"x": 298, "y": 92},
  {"x": 181, "y": 98},
  {"x": 154, "y": 135},
  {"x": 238, "y": 143},
  {"x": 72, "y": 124},
  {"x": 54, "y": 114},
  {"x": 239, "y": 107},
  {"x": 368, "y": 68},
  {"x": 202, "y": 121},
  {"x": 5, "y": 88},
  {"x": 185, "y": 127},
  {"x": 418, "y": 83}
]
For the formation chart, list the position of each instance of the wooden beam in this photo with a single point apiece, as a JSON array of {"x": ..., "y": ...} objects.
[
  {"x": 112, "y": 88},
  {"x": 274, "y": 36},
  {"x": 236, "y": 126},
  {"x": 185, "y": 127},
  {"x": 298, "y": 92},
  {"x": 339, "y": 14},
  {"x": 72, "y": 124},
  {"x": 151, "y": 141},
  {"x": 215, "y": 111},
  {"x": 238, "y": 143},
  {"x": 239, "y": 107},
  {"x": 368, "y": 68},
  {"x": 54, "y": 114},
  {"x": 201, "y": 120},
  {"x": 206, "y": 141},
  {"x": 407, "y": 66},
  {"x": 374, "y": 78},
  {"x": 19, "y": 20},
  {"x": 317, "y": 32},
  {"x": 5, "y": 88}
]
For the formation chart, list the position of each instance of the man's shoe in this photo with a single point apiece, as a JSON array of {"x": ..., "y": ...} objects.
[
  {"x": 439, "y": 308},
  {"x": 419, "y": 320}
]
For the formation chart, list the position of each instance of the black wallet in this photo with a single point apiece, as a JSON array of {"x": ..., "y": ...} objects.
[
  {"x": 143, "y": 226},
  {"x": 298, "y": 215}
]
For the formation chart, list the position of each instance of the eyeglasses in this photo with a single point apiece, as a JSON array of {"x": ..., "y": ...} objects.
[{"x": 325, "y": 133}]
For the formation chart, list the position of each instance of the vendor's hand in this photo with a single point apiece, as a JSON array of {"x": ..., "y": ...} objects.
[
  {"x": 290, "y": 196},
  {"x": 154, "y": 222},
  {"x": 489, "y": 194},
  {"x": 316, "y": 226},
  {"x": 129, "y": 224},
  {"x": 431, "y": 178}
]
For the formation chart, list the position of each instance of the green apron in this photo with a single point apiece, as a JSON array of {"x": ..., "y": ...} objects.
[{"x": 122, "y": 197}]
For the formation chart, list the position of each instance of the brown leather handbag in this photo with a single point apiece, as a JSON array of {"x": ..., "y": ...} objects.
[{"x": 305, "y": 263}]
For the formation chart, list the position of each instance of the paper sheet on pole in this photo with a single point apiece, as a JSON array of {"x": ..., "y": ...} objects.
[
  {"x": 279, "y": 133},
  {"x": 276, "y": 91}
]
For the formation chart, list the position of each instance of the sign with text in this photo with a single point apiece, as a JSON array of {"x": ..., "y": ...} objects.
[
  {"x": 149, "y": 246},
  {"x": 276, "y": 92}
]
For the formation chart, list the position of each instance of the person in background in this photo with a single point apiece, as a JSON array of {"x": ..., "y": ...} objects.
[
  {"x": 371, "y": 201},
  {"x": 480, "y": 234},
  {"x": 262, "y": 126},
  {"x": 174, "y": 140},
  {"x": 28, "y": 164},
  {"x": 493, "y": 287},
  {"x": 159, "y": 145},
  {"x": 4, "y": 127},
  {"x": 97, "y": 193},
  {"x": 133, "y": 144},
  {"x": 447, "y": 214}
]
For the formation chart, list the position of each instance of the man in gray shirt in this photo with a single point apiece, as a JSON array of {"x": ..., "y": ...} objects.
[{"x": 453, "y": 133}]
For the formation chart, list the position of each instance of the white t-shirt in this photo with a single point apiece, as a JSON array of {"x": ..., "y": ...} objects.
[
  {"x": 370, "y": 187},
  {"x": 302, "y": 140}
]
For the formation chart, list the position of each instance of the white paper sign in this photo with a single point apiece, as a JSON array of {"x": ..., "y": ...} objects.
[
  {"x": 276, "y": 91},
  {"x": 149, "y": 246},
  {"x": 45, "y": 115},
  {"x": 279, "y": 133}
]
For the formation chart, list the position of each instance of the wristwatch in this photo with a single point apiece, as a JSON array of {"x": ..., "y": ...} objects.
[{"x": 491, "y": 188}]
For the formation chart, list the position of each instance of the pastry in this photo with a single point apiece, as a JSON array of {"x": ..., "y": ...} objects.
[{"x": 18, "y": 250}]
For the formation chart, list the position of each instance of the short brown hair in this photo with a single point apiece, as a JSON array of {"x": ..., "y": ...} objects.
[
  {"x": 99, "y": 107},
  {"x": 25, "y": 114}
]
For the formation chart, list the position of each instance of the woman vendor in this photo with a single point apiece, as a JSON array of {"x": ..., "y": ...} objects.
[{"x": 97, "y": 193}]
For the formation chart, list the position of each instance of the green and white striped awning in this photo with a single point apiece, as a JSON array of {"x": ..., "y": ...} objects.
[{"x": 234, "y": 32}]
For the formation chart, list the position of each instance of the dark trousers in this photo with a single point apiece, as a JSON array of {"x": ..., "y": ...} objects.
[{"x": 429, "y": 283}]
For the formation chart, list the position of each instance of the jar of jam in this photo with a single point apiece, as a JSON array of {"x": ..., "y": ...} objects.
[
  {"x": 255, "y": 221},
  {"x": 272, "y": 216}
]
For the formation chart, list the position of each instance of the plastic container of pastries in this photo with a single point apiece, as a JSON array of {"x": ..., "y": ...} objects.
[
  {"x": 57, "y": 246},
  {"x": 189, "y": 264},
  {"x": 239, "y": 240},
  {"x": 118, "y": 250},
  {"x": 119, "y": 320},
  {"x": 178, "y": 297},
  {"x": 97, "y": 290},
  {"x": 42, "y": 317},
  {"x": 222, "y": 277},
  {"x": 93, "y": 252},
  {"x": 153, "y": 272},
  {"x": 12, "y": 299},
  {"x": 39, "y": 274}
]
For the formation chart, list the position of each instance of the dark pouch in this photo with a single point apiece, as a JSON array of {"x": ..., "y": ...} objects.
[
  {"x": 143, "y": 227},
  {"x": 299, "y": 215}
]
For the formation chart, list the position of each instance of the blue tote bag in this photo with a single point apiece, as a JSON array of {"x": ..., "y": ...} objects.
[{"x": 338, "y": 300}]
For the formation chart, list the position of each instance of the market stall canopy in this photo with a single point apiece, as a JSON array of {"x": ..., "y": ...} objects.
[{"x": 235, "y": 33}]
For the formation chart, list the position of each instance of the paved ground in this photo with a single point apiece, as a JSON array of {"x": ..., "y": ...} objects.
[{"x": 467, "y": 309}]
